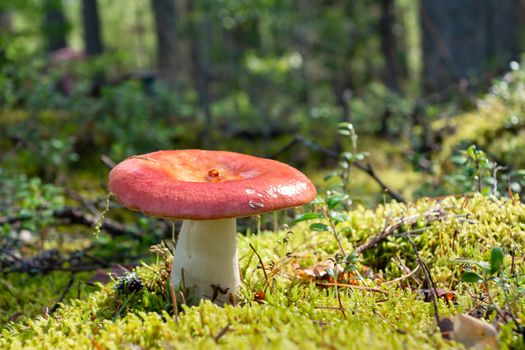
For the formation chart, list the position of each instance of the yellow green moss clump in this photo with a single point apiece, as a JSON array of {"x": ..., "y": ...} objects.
[
  {"x": 497, "y": 125},
  {"x": 381, "y": 305}
]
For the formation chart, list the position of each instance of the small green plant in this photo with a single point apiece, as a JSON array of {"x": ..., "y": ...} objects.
[
  {"x": 487, "y": 270},
  {"x": 31, "y": 199},
  {"x": 331, "y": 210},
  {"x": 348, "y": 158},
  {"x": 474, "y": 171},
  {"x": 511, "y": 285}
]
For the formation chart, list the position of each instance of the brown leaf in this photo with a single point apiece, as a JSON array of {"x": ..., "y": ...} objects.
[
  {"x": 474, "y": 333},
  {"x": 445, "y": 294},
  {"x": 321, "y": 270}
]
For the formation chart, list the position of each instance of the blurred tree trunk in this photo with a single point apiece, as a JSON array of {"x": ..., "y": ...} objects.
[
  {"x": 6, "y": 27},
  {"x": 389, "y": 44},
  {"x": 6, "y": 23},
  {"x": 465, "y": 39},
  {"x": 55, "y": 25},
  {"x": 304, "y": 47},
  {"x": 165, "y": 13},
  {"x": 201, "y": 30},
  {"x": 91, "y": 22},
  {"x": 389, "y": 50}
]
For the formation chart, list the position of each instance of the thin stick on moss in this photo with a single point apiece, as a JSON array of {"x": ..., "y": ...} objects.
[
  {"x": 221, "y": 333},
  {"x": 411, "y": 273},
  {"x": 433, "y": 214},
  {"x": 117, "y": 315},
  {"x": 266, "y": 283},
  {"x": 341, "y": 307},
  {"x": 352, "y": 286},
  {"x": 63, "y": 295},
  {"x": 325, "y": 307},
  {"x": 432, "y": 288}
]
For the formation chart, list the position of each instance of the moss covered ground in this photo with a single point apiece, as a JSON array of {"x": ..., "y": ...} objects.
[{"x": 381, "y": 303}]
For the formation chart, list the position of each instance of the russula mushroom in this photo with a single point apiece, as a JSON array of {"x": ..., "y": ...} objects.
[{"x": 208, "y": 190}]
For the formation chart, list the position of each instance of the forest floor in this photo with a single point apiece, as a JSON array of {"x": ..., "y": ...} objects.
[
  {"x": 299, "y": 291},
  {"x": 352, "y": 270}
]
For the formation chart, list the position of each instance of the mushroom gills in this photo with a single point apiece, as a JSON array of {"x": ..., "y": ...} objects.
[{"x": 205, "y": 260}]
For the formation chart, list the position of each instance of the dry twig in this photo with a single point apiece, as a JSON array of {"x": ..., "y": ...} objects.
[
  {"x": 431, "y": 215},
  {"x": 77, "y": 216},
  {"x": 367, "y": 168},
  {"x": 262, "y": 267},
  {"x": 64, "y": 293}
]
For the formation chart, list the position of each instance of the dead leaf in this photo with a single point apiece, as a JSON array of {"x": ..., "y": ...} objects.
[
  {"x": 474, "y": 333},
  {"x": 323, "y": 269},
  {"x": 444, "y": 294}
]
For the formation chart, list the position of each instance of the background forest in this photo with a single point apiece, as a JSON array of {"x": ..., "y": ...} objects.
[{"x": 382, "y": 103}]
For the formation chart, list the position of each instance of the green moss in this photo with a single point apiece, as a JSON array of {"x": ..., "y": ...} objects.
[
  {"x": 497, "y": 124},
  {"x": 24, "y": 296},
  {"x": 297, "y": 314}
]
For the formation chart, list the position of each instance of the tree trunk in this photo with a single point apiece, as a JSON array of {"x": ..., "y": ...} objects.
[
  {"x": 166, "y": 30},
  {"x": 6, "y": 23},
  {"x": 55, "y": 25},
  {"x": 304, "y": 47},
  {"x": 91, "y": 22},
  {"x": 6, "y": 27},
  {"x": 466, "y": 39},
  {"x": 389, "y": 44},
  {"x": 201, "y": 29}
]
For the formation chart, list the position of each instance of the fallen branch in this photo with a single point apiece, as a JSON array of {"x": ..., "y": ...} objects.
[
  {"x": 430, "y": 280},
  {"x": 433, "y": 214},
  {"x": 403, "y": 277},
  {"x": 366, "y": 168},
  {"x": 77, "y": 216},
  {"x": 61, "y": 299},
  {"x": 221, "y": 333},
  {"x": 52, "y": 260}
]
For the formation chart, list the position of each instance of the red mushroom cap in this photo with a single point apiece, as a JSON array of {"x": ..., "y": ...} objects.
[{"x": 202, "y": 185}]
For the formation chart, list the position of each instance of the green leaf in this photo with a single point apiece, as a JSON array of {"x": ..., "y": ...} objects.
[
  {"x": 317, "y": 200},
  {"x": 318, "y": 227},
  {"x": 338, "y": 217},
  {"x": 307, "y": 216},
  {"x": 335, "y": 199},
  {"x": 471, "y": 277},
  {"x": 345, "y": 125},
  {"x": 496, "y": 260},
  {"x": 482, "y": 264}
]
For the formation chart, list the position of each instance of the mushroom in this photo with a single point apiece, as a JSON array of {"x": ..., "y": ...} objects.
[{"x": 208, "y": 190}]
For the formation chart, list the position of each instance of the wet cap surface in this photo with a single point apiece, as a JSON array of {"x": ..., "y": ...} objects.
[{"x": 200, "y": 184}]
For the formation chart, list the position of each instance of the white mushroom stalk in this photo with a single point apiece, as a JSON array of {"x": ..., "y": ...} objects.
[{"x": 205, "y": 260}]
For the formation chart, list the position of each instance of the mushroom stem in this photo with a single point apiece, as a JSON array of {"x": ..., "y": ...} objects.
[{"x": 205, "y": 260}]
